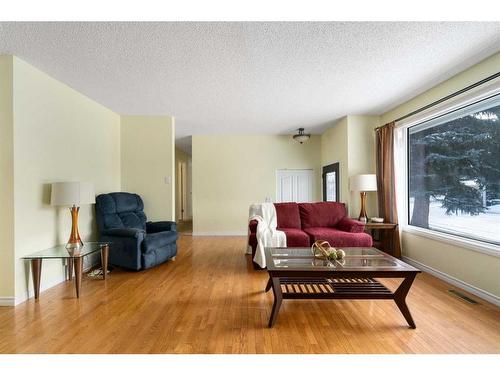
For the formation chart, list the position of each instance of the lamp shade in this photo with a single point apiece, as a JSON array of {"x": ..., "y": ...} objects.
[
  {"x": 363, "y": 182},
  {"x": 72, "y": 193}
]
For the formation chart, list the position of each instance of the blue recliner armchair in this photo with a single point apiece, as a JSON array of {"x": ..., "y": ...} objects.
[{"x": 136, "y": 243}]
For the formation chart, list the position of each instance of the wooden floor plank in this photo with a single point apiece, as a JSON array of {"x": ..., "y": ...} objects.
[{"x": 210, "y": 300}]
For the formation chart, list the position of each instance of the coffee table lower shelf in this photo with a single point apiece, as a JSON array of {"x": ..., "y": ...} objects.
[{"x": 333, "y": 288}]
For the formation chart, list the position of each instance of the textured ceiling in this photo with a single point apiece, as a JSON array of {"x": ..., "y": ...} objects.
[{"x": 267, "y": 78}]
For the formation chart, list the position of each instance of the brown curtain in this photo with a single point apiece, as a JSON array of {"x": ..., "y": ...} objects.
[{"x": 386, "y": 188}]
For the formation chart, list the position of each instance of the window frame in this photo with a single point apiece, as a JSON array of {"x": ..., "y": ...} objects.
[{"x": 469, "y": 98}]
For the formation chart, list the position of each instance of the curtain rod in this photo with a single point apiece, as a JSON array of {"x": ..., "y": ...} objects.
[{"x": 446, "y": 97}]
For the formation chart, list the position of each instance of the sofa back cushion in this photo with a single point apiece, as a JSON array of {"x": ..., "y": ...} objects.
[
  {"x": 120, "y": 210},
  {"x": 321, "y": 214},
  {"x": 288, "y": 215}
]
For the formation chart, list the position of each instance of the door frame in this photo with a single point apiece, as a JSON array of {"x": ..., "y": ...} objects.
[
  {"x": 181, "y": 191},
  {"x": 334, "y": 167}
]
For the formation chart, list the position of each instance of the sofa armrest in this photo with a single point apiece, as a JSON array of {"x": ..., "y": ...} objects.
[
  {"x": 351, "y": 225},
  {"x": 252, "y": 225},
  {"x": 161, "y": 226},
  {"x": 124, "y": 232}
]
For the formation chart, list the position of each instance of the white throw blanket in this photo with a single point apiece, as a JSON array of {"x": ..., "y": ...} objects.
[{"x": 267, "y": 235}]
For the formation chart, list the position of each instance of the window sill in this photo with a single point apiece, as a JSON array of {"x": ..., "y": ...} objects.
[{"x": 469, "y": 244}]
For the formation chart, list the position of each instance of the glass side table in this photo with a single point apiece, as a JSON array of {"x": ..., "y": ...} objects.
[{"x": 74, "y": 259}]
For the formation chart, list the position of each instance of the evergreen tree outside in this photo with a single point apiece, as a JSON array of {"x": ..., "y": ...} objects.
[{"x": 457, "y": 164}]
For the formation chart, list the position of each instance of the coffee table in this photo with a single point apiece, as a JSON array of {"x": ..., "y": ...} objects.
[
  {"x": 73, "y": 257},
  {"x": 294, "y": 273}
]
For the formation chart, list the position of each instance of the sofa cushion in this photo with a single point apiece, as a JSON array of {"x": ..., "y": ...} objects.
[
  {"x": 288, "y": 215},
  {"x": 295, "y": 237},
  {"x": 153, "y": 241},
  {"x": 338, "y": 238},
  {"x": 321, "y": 214}
]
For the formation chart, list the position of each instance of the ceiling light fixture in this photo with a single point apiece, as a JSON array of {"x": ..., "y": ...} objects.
[{"x": 301, "y": 137}]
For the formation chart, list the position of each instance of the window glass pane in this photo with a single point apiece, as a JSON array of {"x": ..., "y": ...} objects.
[
  {"x": 454, "y": 174},
  {"x": 331, "y": 187}
]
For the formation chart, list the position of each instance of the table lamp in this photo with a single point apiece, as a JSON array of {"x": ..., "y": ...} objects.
[
  {"x": 363, "y": 183},
  {"x": 72, "y": 194}
]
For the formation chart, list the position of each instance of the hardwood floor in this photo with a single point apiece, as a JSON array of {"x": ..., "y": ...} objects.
[
  {"x": 185, "y": 227},
  {"x": 210, "y": 300}
]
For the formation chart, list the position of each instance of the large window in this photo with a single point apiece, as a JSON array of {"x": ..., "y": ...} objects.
[{"x": 454, "y": 172}]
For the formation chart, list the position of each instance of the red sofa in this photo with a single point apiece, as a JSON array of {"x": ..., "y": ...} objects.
[{"x": 305, "y": 223}]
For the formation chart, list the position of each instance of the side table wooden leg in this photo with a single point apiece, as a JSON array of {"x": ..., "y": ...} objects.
[
  {"x": 36, "y": 272},
  {"x": 70, "y": 268},
  {"x": 104, "y": 260},
  {"x": 278, "y": 298},
  {"x": 78, "y": 262}
]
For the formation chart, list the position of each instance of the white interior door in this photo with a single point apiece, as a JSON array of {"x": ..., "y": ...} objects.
[{"x": 294, "y": 185}]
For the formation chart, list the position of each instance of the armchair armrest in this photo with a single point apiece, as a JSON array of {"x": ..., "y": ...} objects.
[
  {"x": 161, "y": 226},
  {"x": 124, "y": 232},
  {"x": 125, "y": 246},
  {"x": 351, "y": 225}
]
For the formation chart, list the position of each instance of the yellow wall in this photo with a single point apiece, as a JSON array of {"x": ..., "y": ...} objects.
[
  {"x": 147, "y": 163},
  {"x": 351, "y": 142},
  {"x": 7, "y": 289},
  {"x": 361, "y": 151},
  {"x": 59, "y": 135},
  {"x": 477, "y": 269},
  {"x": 232, "y": 172},
  {"x": 334, "y": 148}
]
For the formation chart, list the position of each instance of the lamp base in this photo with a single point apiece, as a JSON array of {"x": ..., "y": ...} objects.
[
  {"x": 362, "y": 214},
  {"x": 74, "y": 242},
  {"x": 74, "y": 246}
]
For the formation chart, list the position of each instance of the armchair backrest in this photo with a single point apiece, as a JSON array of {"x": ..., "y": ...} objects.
[{"x": 119, "y": 210}]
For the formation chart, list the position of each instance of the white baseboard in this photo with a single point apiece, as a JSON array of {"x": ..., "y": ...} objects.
[
  {"x": 221, "y": 233},
  {"x": 7, "y": 301},
  {"x": 47, "y": 284},
  {"x": 487, "y": 296}
]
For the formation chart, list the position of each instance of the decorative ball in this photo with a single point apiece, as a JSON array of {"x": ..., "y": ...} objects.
[
  {"x": 340, "y": 253},
  {"x": 332, "y": 254}
]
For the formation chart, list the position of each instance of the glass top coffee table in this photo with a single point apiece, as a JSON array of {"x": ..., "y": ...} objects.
[
  {"x": 74, "y": 259},
  {"x": 295, "y": 273}
]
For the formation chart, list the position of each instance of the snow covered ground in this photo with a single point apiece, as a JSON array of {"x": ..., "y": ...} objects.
[{"x": 484, "y": 226}]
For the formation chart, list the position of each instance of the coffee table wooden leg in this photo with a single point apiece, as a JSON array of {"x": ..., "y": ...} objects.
[
  {"x": 104, "y": 260},
  {"x": 269, "y": 284},
  {"x": 36, "y": 272},
  {"x": 400, "y": 299},
  {"x": 78, "y": 262},
  {"x": 278, "y": 298},
  {"x": 70, "y": 268}
]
